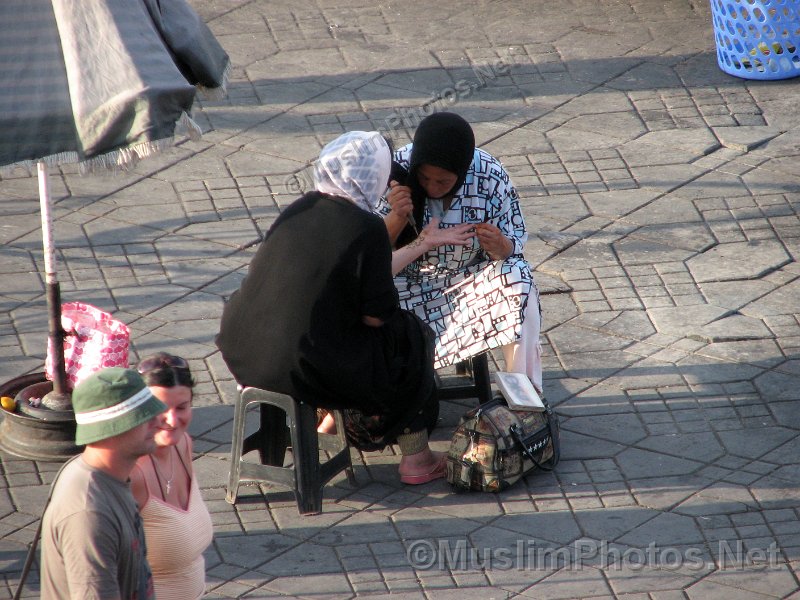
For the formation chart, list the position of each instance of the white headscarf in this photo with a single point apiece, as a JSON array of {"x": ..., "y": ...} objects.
[{"x": 355, "y": 165}]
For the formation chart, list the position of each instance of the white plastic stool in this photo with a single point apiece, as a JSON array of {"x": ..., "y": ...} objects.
[{"x": 284, "y": 422}]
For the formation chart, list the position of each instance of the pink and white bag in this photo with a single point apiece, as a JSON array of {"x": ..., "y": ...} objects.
[{"x": 93, "y": 340}]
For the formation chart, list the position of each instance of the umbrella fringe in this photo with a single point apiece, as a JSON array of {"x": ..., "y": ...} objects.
[
  {"x": 217, "y": 92},
  {"x": 122, "y": 159},
  {"x": 29, "y": 166},
  {"x": 188, "y": 127},
  {"x": 126, "y": 158}
]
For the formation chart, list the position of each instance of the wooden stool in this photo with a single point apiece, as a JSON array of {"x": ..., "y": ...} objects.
[
  {"x": 284, "y": 422},
  {"x": 481, "y": 386}
]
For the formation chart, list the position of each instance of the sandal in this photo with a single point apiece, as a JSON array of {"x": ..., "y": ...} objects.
[{"x": 438, "y": 472}]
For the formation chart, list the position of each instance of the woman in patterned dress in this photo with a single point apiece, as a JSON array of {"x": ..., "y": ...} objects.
[{"x": 475, "y": 297}]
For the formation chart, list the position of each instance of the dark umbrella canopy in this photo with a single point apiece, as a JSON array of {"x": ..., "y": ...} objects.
[
  {"x": 103, "y": 81},
  {"x": 100, "y": 83}
]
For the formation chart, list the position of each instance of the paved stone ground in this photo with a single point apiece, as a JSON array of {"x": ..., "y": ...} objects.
[{"x": 662, "y": 200}]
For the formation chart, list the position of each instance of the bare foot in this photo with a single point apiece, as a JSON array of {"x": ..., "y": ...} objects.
[{"x": 327, "y": 425}]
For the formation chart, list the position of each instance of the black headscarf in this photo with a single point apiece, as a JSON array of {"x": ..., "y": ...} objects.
[{"x": 443, "y": 140}]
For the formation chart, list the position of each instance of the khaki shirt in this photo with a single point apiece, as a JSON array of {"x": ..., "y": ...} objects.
[{"x": 93, "y": 544}]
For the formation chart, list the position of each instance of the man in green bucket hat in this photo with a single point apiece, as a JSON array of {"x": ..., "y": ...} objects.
[{"x": 93, "y": 543}]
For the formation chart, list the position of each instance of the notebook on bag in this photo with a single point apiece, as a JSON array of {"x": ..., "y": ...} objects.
[{"x": 518, "y": 391}]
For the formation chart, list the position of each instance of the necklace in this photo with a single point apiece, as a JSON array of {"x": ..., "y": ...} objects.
[{"x": 165, "y": 489}]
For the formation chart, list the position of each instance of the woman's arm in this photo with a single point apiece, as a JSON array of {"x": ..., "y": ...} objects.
[
  {"x": 138, "y": 487},
  {"x": 431, "y": 237},
  {"x": 494, "y": 241},
  {"x": 187, "y": 453},
  {"x": 510, "y": 221},
  {"x": 504, "y": 234}
]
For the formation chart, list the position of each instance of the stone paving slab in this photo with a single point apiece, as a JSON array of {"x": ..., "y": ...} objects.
[{"x": 661, "y": 196}]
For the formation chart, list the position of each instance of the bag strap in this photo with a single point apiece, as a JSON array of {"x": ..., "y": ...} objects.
[
  {"x": 516, "y": 433},
  {"x": 551, "y": 417},
  {"x": 32, "y": 548}
]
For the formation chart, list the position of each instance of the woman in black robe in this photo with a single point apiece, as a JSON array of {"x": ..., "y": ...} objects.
[{"x": 318, "y": 316}]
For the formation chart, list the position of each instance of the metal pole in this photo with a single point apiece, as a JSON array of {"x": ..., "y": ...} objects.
[{"x": 59, "y": 398}]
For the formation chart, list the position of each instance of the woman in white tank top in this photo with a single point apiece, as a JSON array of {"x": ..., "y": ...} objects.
[{"x": 176, "y": 521}]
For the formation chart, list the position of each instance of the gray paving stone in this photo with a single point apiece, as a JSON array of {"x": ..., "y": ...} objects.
[
  {"x": 689, "y": 236},
  {"x": 754, "y": 444},
  {"x": 745, "y": 139},
  {"x": 760, "y": 179},
  {"x": 610, "y": 525},
  {"x": 598, "y": 365},
  {"x": 332, "y": 585},
  {"x": 478, "y": 507},
  {"x": 625, "y": 429},
  {"x": 738, "y": 260},
  {"x": 418, "y": 523},
  {"x": 635, "y": 463},
  {"x": 680, "y": 320},
  {"x": 665, "y": 530},
  {"x": 762, "y": 352},
  {"x": 702, "y": 371},
  {"x": 648, "y": 374},
  {"x": 578, "y": 446},
  {"x": 599, "y": 399},
  {"x": 233, "y": 552},
  {"x": 686, "y": 445},
  {"x": 784, "y": 415},
  {"x": 555, "y": 527},
  {"x": 310, "y": 559},
  {"x": 776, "y": 302},
  {"x": 583, "y": 255},
  {"x": 660, "y": 195},
  {"x": 589, "y": 582},
  {"x": 745, "y": 583},
  {"x": 569, "y": 338},
  {"x": 629, "y": 580},
  {"x": 718, "y": 499}
]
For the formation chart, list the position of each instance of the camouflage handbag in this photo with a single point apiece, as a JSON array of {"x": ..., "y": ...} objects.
[{"x": 494, "y": 446}]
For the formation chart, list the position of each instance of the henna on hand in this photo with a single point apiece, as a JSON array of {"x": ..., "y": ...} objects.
[{"x": 417, "y": 241}]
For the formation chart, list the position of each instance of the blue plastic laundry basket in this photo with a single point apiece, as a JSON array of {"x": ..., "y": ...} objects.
[{"x": 757, "y": 39}]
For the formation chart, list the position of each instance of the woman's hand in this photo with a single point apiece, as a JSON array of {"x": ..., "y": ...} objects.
[
  {"x": 399, "y": 198},
  {"x": 493, "y": 241},
  {"x": 434, "y": 236},
  {"x": 371, "y": 321},
  {"x": 431, "y": 237}
]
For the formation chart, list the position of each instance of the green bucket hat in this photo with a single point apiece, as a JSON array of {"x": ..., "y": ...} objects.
[{"x": 112, "y": 401}]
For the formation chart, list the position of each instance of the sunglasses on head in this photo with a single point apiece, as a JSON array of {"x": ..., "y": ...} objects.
[{"x": 162, "y": 361}]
